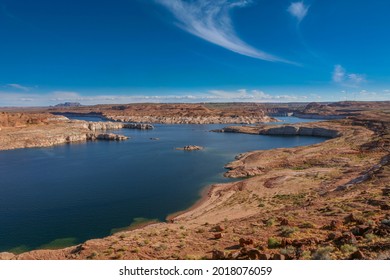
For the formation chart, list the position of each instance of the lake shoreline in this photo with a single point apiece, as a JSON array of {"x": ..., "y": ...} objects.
[{"x": 213, "y": 206}]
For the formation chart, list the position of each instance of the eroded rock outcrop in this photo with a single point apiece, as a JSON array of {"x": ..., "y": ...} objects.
[
  {"x": 108, "y": 137},
  {"x": 53, "y": 130},
  {"x": 191, "y": 119},
  {"x": 104, "y": 126},
  {"x": 141, "y": 126},
  {"x": 301, "y": 130},
  {"x": 287, "y": 130}
]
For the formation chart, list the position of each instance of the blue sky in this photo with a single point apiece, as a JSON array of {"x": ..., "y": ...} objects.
[{"x": 125, "y": 51}]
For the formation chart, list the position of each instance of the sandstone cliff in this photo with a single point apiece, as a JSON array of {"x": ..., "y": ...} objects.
[
  {"x": 191, "y": 119},
  {"x": 35, "y": 130}
]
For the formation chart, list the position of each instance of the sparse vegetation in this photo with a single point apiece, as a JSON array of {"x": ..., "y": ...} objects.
[
  {"x": 307, "y": 225},
  {"x": 289, "y": 250},
  {"x": 270, "y": 222},
  {"x": 273, "y": 243},
  {"x": 287, "y": 231},
  {"x": 347, "y": 248},
  {"x": 323, "y": 253},
  {"x": 135, "y": 250},
  {"x": 371, "y": 237},
  {"x": 93, "y": 255}
]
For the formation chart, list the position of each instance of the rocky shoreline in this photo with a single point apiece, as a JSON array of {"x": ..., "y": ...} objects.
[
  {"x": 304, "y": 181},
  {"x": 287, "y": 205},
  {"x": 56, "y": 130},
  {"x": 285, "y": 130},
  {"x": 191, "y": 120}
]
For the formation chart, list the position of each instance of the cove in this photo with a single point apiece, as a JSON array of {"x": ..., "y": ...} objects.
[{"x": 63, "y": 195}]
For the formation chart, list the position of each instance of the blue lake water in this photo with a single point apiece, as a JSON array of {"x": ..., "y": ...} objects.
[{"x": 70, "y": 193}]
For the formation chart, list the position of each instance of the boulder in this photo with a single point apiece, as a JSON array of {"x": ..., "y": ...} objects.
[
  {"x": 284, "y": 222},
  {"x": 278, "y": 257},
  {"x": 218, "y": 255},
  {"x": 386, "y": 191},
  {"x": 351, "y": 218},
  {"x": 253, "y": 254},
  {"x": 358, "y": 255},
  {"x": 265, "y": 257},
  {"x": 334, "y": 236},
  {"x": 361, "y": 230},
  {"x": 245, "y": 241},
  {"x": 218, "y": 228},
  {"x": 218, "y": 235}
]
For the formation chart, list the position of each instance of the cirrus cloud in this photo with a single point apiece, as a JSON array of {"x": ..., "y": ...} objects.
[
  {"x": 298, "y": 10},
  {"x": 18, "y": 87},
  {"x": 211, "y": 21}
]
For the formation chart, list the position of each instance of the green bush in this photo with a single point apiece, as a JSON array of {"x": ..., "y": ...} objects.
[
  {"x": 347, "y": 248},
  {"x": 287, "y": 231},
  {"x": 273, "y": 243},
  {"x": 323, "y": 253}
]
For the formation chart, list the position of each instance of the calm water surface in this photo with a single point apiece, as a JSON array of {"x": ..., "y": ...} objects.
[{"x": 62, "y": 195}]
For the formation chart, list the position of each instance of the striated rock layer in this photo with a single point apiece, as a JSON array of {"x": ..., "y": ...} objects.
[
  {"x": 18, "y": 131},
  {"x": 285, "y": 130},
  {"x": 238, "y": 113},
  {"x": 192, "y": 119}
]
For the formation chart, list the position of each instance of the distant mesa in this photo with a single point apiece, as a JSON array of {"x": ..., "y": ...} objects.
[
  {"x": 190, "y": 148},
  {"x": 69, "y": 104}
]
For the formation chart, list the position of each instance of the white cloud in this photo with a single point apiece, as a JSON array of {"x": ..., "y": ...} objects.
[
  {"x": 211, "y": 21},
  {"x": 216, "y": 95},
  {"x": 298, "y": 10},
  {"x": 18, "y": 87},
  {"x": 340, "y": 76},
  {"x": 356, "y": 78},
  {"x": 243, "y": 95},
  {"x": 55, "y": 97}
]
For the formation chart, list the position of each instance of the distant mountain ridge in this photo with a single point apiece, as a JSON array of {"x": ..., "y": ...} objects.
[{"x": 69, "y": 104}]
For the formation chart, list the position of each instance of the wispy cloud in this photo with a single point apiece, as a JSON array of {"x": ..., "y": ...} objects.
[
  {"x": 241, "y": 94},
  {"x": 18, "y": 87},
  {"x": 340, "y": 76},
  {"x": 211, "y": 21},
  {"x": 212, "y": 95},
  {"x": 216, "y": 95},
  {"x": 298, "y": 10}
]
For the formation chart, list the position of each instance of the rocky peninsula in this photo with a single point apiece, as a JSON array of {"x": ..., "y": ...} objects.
[{"x": 29, "y": 130}]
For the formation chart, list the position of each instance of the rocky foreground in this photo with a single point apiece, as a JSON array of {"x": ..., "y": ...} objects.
[{"x": 325, "y": 201}]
